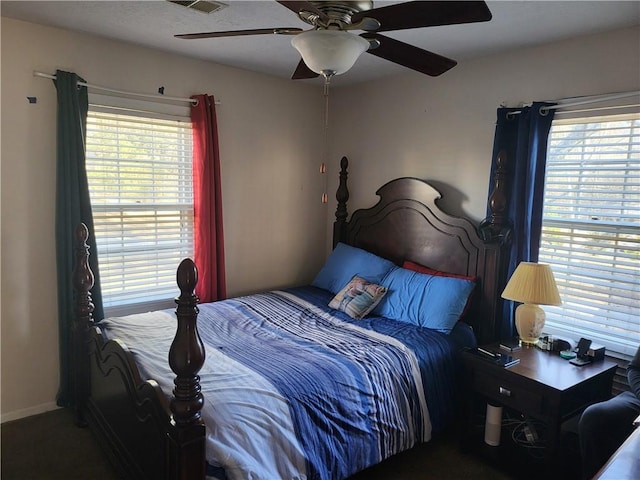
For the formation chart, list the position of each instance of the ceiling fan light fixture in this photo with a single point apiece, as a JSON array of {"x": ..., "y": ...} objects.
[{"x": 329, "y": 52}]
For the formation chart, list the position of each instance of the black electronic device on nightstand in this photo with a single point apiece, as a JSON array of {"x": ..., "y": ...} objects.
[{"x": 581, "y": 353}]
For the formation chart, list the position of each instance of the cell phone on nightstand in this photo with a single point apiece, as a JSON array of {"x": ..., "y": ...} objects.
[{"x": 581, "y": 353}]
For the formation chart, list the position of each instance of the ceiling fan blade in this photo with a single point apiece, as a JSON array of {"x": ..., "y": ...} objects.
[
  {"x": 297, "y": 7},
  {"x": 409, "y": 56},
  {"x": 237, "y": 33},
  {"x": 406, "y": 15},
  {"x": 302, "y": 72}
]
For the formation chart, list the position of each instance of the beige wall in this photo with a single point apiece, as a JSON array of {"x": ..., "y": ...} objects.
[
  {"x": 270, "y": 152},
  {"x": 442, "y": 128},
  {"x": 411, "y": 125}
]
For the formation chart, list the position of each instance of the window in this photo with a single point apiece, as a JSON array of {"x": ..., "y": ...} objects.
[
  {"x": 591, "y": 229},
  {"x": 139, "y": 168}
]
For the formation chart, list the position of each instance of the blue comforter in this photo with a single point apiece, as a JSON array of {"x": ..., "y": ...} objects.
[{"x": 294, "y": 389}]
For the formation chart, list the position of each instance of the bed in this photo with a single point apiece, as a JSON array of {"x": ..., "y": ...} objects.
[{"x": 312, "y": 382}]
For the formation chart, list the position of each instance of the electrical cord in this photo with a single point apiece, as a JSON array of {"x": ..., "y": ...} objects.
[{"x": 526, "y": 433}]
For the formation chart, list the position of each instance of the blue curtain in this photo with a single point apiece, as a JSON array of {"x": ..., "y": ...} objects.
[
  {"x": 72, "y": 207},
  {"x": 522, "y": 133}
]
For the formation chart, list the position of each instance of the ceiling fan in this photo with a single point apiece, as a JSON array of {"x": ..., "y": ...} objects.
[{"x": 330, "y": 48}]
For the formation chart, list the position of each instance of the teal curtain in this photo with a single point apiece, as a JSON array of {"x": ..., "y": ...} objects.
[{"x": 72, "y": 207}]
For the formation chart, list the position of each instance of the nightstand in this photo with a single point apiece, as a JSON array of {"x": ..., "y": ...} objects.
[{"x": 542, "y": 386}]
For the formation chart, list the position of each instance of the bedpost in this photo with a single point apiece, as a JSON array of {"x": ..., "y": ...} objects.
[
  {"x": 495, "y": 230},
  {"x": 186, "y": 357},
  {"x": 496, "y": 227},
  {"x": 342, "y": 195},
  {"x": 82, "y": 284}
]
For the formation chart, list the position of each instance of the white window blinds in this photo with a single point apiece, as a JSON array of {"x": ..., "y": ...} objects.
[
  {"x": 139, "y": 171},
  {"x": 591, "y": 229}
]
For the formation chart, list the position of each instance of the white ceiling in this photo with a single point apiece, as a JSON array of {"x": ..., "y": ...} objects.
[{"x": 515, "y": 24}]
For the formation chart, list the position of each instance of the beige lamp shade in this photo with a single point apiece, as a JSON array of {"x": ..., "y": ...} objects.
[
  {"x": 531, "y": 284},
  {"x": 329, "y": 52}
]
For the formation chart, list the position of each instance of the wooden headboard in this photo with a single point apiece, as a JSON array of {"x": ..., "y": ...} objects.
[{"x": 407, "y": 224}]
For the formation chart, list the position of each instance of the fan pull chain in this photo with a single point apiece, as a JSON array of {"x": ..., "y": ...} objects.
[{"x": 323, "y": 165}]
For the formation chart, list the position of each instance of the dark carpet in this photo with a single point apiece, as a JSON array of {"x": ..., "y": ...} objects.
[{"x": 50, "y": 446}]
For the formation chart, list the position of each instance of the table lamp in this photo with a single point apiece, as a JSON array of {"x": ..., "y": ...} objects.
[{"x": 531, "y": 284}]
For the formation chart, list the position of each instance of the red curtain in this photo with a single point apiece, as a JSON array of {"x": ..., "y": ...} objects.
[{"x": 209, "y": 234}]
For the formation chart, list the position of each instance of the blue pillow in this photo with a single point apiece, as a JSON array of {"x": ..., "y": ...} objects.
[
  {"x": 345, "y": 262},
  {"x": 425, "y": 300}
]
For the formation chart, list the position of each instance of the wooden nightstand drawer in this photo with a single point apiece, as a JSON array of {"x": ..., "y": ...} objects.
[
  {"x": 507, "y": 393},
  {"x": 541, "y": 385}
]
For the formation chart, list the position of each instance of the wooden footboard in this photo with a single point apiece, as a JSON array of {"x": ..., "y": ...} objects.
[
  {"x": 145, "y": 435},
  {"x": 129, "y": 416}
]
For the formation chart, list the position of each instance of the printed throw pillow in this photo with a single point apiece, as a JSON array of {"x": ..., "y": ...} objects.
[{"x": 358, "y": 297}]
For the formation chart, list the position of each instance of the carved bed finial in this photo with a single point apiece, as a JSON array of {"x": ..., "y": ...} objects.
[
  {"x": 497, "y": 226},
  {"x": 186, "y": 355},
  {"x": 342, "y": 196}
]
